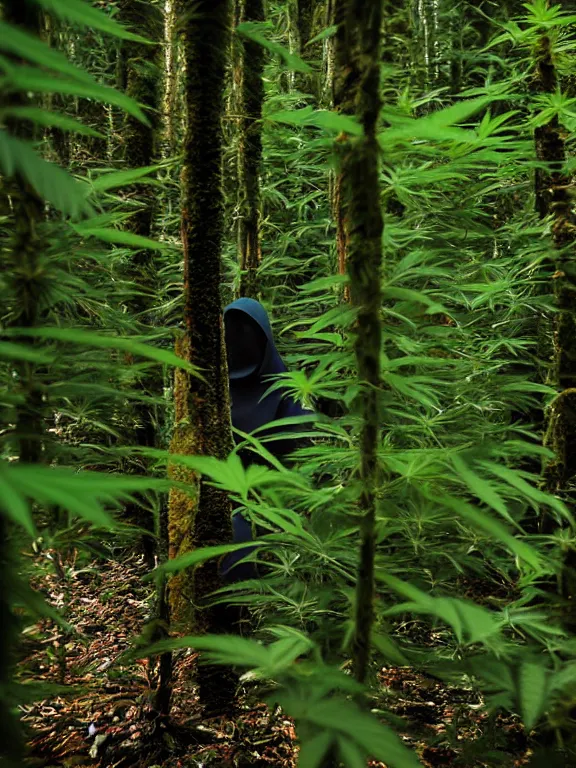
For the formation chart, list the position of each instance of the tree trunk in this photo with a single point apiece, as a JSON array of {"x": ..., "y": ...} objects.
[
  {"x": 359, "y": 66},
  {"x": 345, "y": 77},
  {"x": 552, "y": 194},
  {"x": 140, "y": 74},
  {"x": 553, "y": 197},
  {"x": 311, "y": 16},
  {"x": 250, "y": 153},
  {"x": 202, "y": 406}
]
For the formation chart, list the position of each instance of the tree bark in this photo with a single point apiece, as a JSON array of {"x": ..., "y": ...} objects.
[
  {"x": 345, "y": 78},
  {"x": 359, "y": 67},
  {"x": 553, "y": 193},
  {"x": 553, "y": 197},
  {"x": 202, "y": 406},
  {"x": 251, "y": 89},
  {"x": 140, "y": 77}
]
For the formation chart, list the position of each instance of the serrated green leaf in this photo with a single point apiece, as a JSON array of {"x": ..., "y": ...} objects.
[
  {"x": 333, "y": 122},
  {"x": 54, "y": 487},
  {"x": 535, "y": 494},
  {"x": 532, "y": 692},
  {"x": 255, "y": 31},
  {"x": 469, "y": 622},
  {"x": 389, "y": 649},
  {"x": 326, "y": 33},
  {"x": 90, "y": 339},
  {"x": 313, "y": 751},
  {"x": 50, "y": 182},
  {"x": 219, "y": 649},
  {"x": 85, "y": 15},
  {"x": 50, "y": 120},
  {"x": 437, "y": 126},
  {"x": 378, "y": 741},
  {"x": 13, "y": 501},
  {"x": 492, "y": 528},
  {"x": 19, "y": 43},
  {"x": 120, "y": 237},
  {"x": 30, "y": 79},
  {"x": 351, "y": 754},
  {"x": 481, "y": 487},
  {"x": 191, "y": 559},
  {"x": 115, "y": 179}
]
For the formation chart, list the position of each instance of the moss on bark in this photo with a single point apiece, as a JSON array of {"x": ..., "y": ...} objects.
[
  {"x": 251, "y": 88},
  {"x": 203, "y": 409},
  {"x": 554, "y": 197},
  {"x": 358, "y": 61}
]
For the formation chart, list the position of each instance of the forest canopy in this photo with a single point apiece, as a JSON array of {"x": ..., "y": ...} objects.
[{"x": 288, "y": 383}]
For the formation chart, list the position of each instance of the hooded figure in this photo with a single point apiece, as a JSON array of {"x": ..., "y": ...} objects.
[{"x": 252, "y": 359}]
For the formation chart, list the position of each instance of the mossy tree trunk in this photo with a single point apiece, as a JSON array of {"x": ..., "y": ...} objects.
[
  {"x": 311, "y": 16},
  {"x": 359, "y": 67},
  {"x": 345, "y": 79},
  {"x": 553, "y": 195},
  {"x": 202, "y": 406},
  {"x": 251, "y": 92}
]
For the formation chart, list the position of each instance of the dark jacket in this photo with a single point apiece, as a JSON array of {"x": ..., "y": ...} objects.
[{"x": 252, "y": 360}]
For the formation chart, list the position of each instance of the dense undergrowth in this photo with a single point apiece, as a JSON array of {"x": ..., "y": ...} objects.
[{"x": 474, "y": 557}]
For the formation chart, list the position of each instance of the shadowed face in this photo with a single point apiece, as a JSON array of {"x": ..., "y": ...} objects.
[{"x": 245, "y": 343}]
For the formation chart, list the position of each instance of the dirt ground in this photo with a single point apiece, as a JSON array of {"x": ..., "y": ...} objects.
[{"x": 105, "y": 718}]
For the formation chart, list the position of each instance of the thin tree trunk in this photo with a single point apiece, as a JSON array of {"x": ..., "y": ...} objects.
[
  {"x": 140, "y": 68},
  {"x": 359, "y": 63},
  {"x": 344, "y": 87},
  {"x": 202, "y": 407},
  {"x": 170, "y": 105},
  {"x": 310, "y": 19},
  {"x": 552, "y": 193},
  {"x": 250, "y": 153}
]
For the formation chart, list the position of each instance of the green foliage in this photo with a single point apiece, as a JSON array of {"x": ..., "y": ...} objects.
[
  {"x": 82, "y": 13},
  {"x": 467, "y": 290}
]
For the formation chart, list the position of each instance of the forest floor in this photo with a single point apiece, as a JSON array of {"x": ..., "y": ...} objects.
[{"x": 104, "y": 720}]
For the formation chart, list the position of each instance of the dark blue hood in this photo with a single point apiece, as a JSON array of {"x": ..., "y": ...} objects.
[{"x": 253, "y": 359}]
